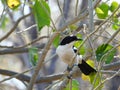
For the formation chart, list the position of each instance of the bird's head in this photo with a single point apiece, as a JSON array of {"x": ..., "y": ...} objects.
[{"x": 69, "y": 40}]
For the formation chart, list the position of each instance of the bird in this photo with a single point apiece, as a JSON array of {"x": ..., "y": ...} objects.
[{"x": 66, "y": 51}]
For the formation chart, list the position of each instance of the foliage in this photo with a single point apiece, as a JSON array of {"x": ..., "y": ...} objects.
[
  {"x": 56, "y": 41},
  {"x": 78, "y": 43},
  {"x": 102, "y": 10},
  {"x": 75, "y": 85},
  {"x": 103, "y": 50},
  {"x": 41, "y": 13},
  {"x": 114, "y": 5},
  {"x": 33, "y": 56},
  {"x": 82, "y": 49}
]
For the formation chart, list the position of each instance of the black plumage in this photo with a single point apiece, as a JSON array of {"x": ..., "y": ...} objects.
[
  {"x": 68, "y": 39},
  {"x": 85, "y": 68}
]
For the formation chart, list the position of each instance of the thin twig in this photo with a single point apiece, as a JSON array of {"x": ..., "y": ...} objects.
[
  {"x": 102, "y": 58},
  {"x": 19, "y": 76},
  {"x": 4, "y": 9},
  {"x": 26, "y": 78},
  {"x": 19, "y": 50},
  {"x": 76, "y": 7},
  {"x": 14, "y": 27},
  {"x": 47, "y": 12},
  {"x": 3, "y": 46},
  {"x": 59, "y": 8},
  {"x": 113, "y": 36},
  {"x": 38, "y": 39},
  {"x": 109, "y": 72},
  {"x": 24, "y": 3},
  {"x": 107, "y": 79},
  {"x": 114, "y": 41},
  {"x": 27, "y": 29},
  {"x": 112, "y": 66}
]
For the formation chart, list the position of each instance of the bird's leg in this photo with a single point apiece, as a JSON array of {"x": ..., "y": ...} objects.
[
  {"x": 69, "y": 76},
  {"x": 69, "y": 68}
]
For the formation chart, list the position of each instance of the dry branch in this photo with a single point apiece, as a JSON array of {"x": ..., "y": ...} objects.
[
  {"x": 14, "y": 27},
  {"x": 112, "y": 66},
  {"x": 18, "y": 50},
  {"x": 26, "y": 78},
  {"x": 50, "y": 78}
]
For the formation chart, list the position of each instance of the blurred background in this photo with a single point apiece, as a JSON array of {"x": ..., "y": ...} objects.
[{"x": 26, "y": 31}]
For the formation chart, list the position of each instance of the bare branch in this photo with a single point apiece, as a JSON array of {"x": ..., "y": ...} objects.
[
  {"x": 113, "y": 36},
  {"x": 19, "y": 76},
  {"x": 22, "y": 49},
  {"x": 112, "y": 66},
  {"x": 27, "y": 29},
  {"x": 74, "y": 73},
  {"x": 118, "y": 72},
  {"x": 35, "y": 40},
  {"x": 14, "y": 27},
  {"x": 18, "y": 50},
  {"x": 26, "y": 78}
]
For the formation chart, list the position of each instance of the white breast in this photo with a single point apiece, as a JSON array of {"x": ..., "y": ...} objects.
[{"x": 65, "y": 53}]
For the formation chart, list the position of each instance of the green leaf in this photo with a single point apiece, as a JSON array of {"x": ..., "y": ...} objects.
[
  {"x": 110, "y": 56},
  {"x": 82, "y": 49},
  {"x": 79, "y": 35},
  {"x": 41, "y": 13},
  {"x": 102, "y": 10},
  {"x": 95, "y": 80},
  {"x": 75, "y": 85},
  {"x": 33, "y": 55},
  {"x": 115, "y": 19},
  {"x": 73, "y": 27},
  {"x": 4, "y": 21},
  {"x": 116, "y": 25},
  {"x": 56, "y": 41},
  {"x": 99, "y": 11},
  {"x": 114, "y": 5},
  {"x": 103, "y": 49}
]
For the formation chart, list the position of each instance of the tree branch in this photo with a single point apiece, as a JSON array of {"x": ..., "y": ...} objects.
[
  {"x": 18, "y": 50},
  {"x": 14, "y": 27},
  {"x": 109, "y": 78},
  {"x": 22, "y": 49},
  {"x": 75, "y": 73},
  {"x": 26, "y": 78},
  {"x": 112, "y": 66}
]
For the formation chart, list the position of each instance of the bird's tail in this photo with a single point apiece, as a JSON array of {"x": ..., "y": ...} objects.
[{"x": 85, "y": 68}]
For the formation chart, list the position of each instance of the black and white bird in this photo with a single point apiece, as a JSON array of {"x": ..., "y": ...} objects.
[{"x": 67, "y": 52}]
